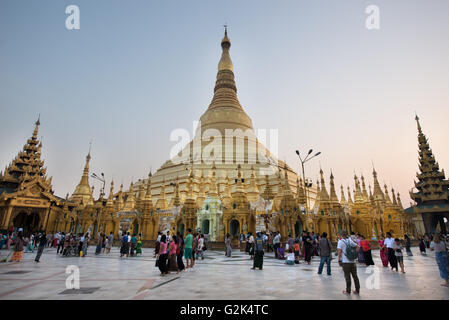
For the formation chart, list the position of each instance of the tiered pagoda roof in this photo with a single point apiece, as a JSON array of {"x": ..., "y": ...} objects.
[
  {"x": 432, "y": 187},
  {"x": 27, "y": 166}
]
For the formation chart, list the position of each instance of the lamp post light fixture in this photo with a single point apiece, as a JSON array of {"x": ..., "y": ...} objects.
[
  {"x": 102, "y": 179},
  {"x": 306, "y": 183}
]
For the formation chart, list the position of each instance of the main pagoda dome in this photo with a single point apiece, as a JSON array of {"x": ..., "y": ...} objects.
[{"x": 224, "y": 115}]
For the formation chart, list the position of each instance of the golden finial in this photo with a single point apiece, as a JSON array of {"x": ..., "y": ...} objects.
[
  {"x": 90, "y": 147},
  {"x": 225, "y": 61}
]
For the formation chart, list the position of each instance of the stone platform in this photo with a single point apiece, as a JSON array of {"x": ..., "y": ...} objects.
[{"x": 107, "y": 276}]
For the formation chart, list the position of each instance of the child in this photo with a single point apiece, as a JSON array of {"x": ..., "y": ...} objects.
[
  {"x": 296, "y": 247},
  {"x": 290, "y": 257},
  {"x": 398, "y": 253}
]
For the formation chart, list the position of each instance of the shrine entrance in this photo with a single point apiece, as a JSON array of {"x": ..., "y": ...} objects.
[
  {"x": 298, "y": 228},
  {"x": 124, "y": 226},
  {"x": 234, "y": 228},
  {"x": 205, "y": 226},
  {"x": 181, "y": 229},
  {"x": 29, "y": 222}
]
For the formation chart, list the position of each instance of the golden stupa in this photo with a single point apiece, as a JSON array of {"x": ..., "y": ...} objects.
[{"x": 224, "y": 113}]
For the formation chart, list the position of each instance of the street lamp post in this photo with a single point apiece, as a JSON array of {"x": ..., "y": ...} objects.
[
  {"x": 102, "y": 179},
  {"x": 303, "y": 173}
]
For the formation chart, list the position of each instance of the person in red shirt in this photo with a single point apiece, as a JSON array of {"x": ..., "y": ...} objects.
[
  {"x": 366, "y": 248},
  {"x": 296, "y": 246}
]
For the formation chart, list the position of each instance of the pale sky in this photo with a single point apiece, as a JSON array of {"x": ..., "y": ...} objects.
[{"x": 136, "y": 70}]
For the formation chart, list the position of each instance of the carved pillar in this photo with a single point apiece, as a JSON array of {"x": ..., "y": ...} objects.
[
  {"x": 7, "y": 217},
  {"x": 116, "y": 227},
  {"x": 45, "y": 222}
]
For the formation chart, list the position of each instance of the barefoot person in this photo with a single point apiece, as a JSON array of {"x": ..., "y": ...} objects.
[
  {"x": 110, "y": 242},
  {"x": 389, "y": 242},
  {"x": 42, "y": 244},
  {"x": 258, "y": 252},
  {"x": 18, "y": 248},
  {"x": 228, "y": 242},
  {"x": 188, "y": 253},
  {"x": 439, "y": 246},
  {"x": 163, "y": 255},
  {"x": 347, "y": 253},
  {"x": 325, "y": 247},
  {"x": 172, "y": 265},
  {"x": 397, "y": 247}
]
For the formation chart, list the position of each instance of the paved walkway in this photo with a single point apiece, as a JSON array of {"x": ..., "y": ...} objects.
[{"x": 215, "y": 277}]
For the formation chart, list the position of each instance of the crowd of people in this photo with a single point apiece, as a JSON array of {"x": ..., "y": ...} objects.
[
  {"x": 170, "y": 250},
  {"x": 130, "y": 245},
  {"x": 351, "y": 249}
]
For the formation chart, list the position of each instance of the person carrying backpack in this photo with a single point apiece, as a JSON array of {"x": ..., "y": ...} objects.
[{"x": 347, "y": 255}]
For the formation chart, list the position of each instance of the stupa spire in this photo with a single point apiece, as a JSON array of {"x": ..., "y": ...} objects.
[
  {"x": 395, "y": 203},
  {"x": 378, "y": 194},
  {"x": 148, "y": 194},
  {"x": 300, "y": 194},
  {"x": 342, "y": 195},
  {"x": 333, "y": 194},
  {"x": 323, "y": 192},
  {"x": 358, "y": 196},
  {"x": 110, "y": 201},
  {"x": 364, "y": 191},
  {"x": 225, "y": 61},
  {"x": 387, "y": 197},
  {"x": 349, "y": 195},
  {"x": 83, "y": 192},
  {"x": 225, "y": 111}
]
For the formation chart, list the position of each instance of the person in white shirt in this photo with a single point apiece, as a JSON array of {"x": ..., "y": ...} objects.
[
  {"x": 397, "y": 247},
  {"x": 251, "y": 245},
  {"x": 290, "y": 257},
  {"x": 348, "y": 263},
  {"x": 389, "y": 244},
  {"x": 200, "y": 252},
  {"x": 265, "y": 239},
  {"x": 276, "y": 242}
]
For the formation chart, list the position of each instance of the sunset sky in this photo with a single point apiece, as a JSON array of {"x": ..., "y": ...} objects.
[{"x": 136, "y": 70}]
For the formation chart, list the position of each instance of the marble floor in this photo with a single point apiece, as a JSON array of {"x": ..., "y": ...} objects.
[{"x": 107, "y": 276}]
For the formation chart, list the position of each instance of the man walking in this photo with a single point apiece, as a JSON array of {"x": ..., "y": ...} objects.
[
  {"x": 42, "y": 243},
  {"x": 276, "y": 242},
  {"x": 110, "y": 242},
  {"x": 347, "y": 253},
  {"x": 188, "y": 252},
  {"x": 258, "y": 252},
  {"x": 325, "y": 254},
  {"x": 61, "y": 242},
  {"x": 389, "y": 244}
]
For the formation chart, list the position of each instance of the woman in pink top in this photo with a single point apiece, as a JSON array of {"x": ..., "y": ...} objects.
[
  {"x": 172, "y": 261},
  {"x": 162, "y": 259},
  {"x": 383, "y": 252}
]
